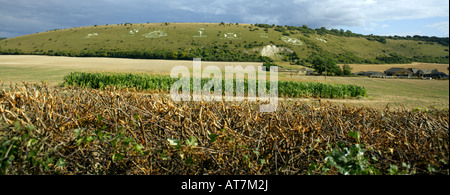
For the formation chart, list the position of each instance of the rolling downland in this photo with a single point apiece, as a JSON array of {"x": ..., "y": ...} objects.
[{"x": 228, "y": 42}]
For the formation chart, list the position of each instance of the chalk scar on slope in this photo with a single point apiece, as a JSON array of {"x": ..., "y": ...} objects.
[
  {"x": 320, "y": 39},
  {"x": 292, "y": 41},
  {"x": 201, "y": 32},
  {"x": 155, "y": 34},
  {"x": 272, "y": 50},
  {"x": 230, "y": 35},
  {"x": 264, "y": 35},
  {"x": 91, "y": 35},
  {"x": 133, "y": 32}
]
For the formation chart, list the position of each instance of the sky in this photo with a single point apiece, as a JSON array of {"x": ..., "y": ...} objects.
[{"x": 378, "y": 17}]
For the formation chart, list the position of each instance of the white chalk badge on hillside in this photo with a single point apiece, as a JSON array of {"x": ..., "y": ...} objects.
[{"x": 201, "y": 33}]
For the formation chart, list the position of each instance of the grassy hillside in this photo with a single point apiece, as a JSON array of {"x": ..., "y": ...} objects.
[{"x": 221, "y": 42}]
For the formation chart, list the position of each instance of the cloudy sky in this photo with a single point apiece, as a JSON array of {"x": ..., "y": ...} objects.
[{"x": 380, "y": 17}]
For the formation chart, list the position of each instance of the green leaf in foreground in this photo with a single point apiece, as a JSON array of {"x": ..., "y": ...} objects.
[
  {"x": 192, "y": 141},
  {"x": 212, "y": 137}
]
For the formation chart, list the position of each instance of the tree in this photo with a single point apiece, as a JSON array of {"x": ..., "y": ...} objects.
[
  {"x": 323, "y": 64},
  {"x": 321, "y": 31},
  {"x": 181, "y": 55},
  {"x": 268, "y": 64},
  {"x": 348, "y": 33},
  {"x": 174, "y": 55},
  {"x": 347, "y": 69},
  {"x": 326, "y": 64}
]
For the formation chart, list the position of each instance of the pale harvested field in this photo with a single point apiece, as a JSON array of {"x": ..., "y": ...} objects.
[
  {"x": 397, "y": 93},
  {"x": 16, "y": 68},
  {"x": 383, "y": 67}
]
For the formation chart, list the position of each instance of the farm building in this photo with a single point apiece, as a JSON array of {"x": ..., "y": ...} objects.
[
  {"x": 405, "y": 73},
  {"x": 308, "y": 71},
  {"x": 416, "y": 71},
  {"x": 374, "y": 74},
  {"x": 358, "y": 73},
  {"x": 305, "y": 71},
  {"x": 399, "y": 72},
  {"x": 427, "y": 73},
  {"x": 283, "y": 69}
]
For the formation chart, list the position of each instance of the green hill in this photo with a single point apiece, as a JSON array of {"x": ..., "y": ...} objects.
[{"x": 228, "y": 42}]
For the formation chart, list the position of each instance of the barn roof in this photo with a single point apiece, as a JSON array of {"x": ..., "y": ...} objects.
[
  {"x": 429, "y": 71},
  {"x": 396, "y": 70},
  {"x": 414, "y": 70}
]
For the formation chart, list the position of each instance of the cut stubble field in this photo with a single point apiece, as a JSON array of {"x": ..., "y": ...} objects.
[{"x": 395, "y": 93}]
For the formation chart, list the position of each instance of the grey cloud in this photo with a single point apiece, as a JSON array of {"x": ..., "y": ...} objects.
[
  {"x": 319, "y": 13},
  {"x": 20, "y": 17}
]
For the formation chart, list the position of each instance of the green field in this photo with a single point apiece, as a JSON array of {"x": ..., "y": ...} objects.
[{"x": 164, "y": 84}]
